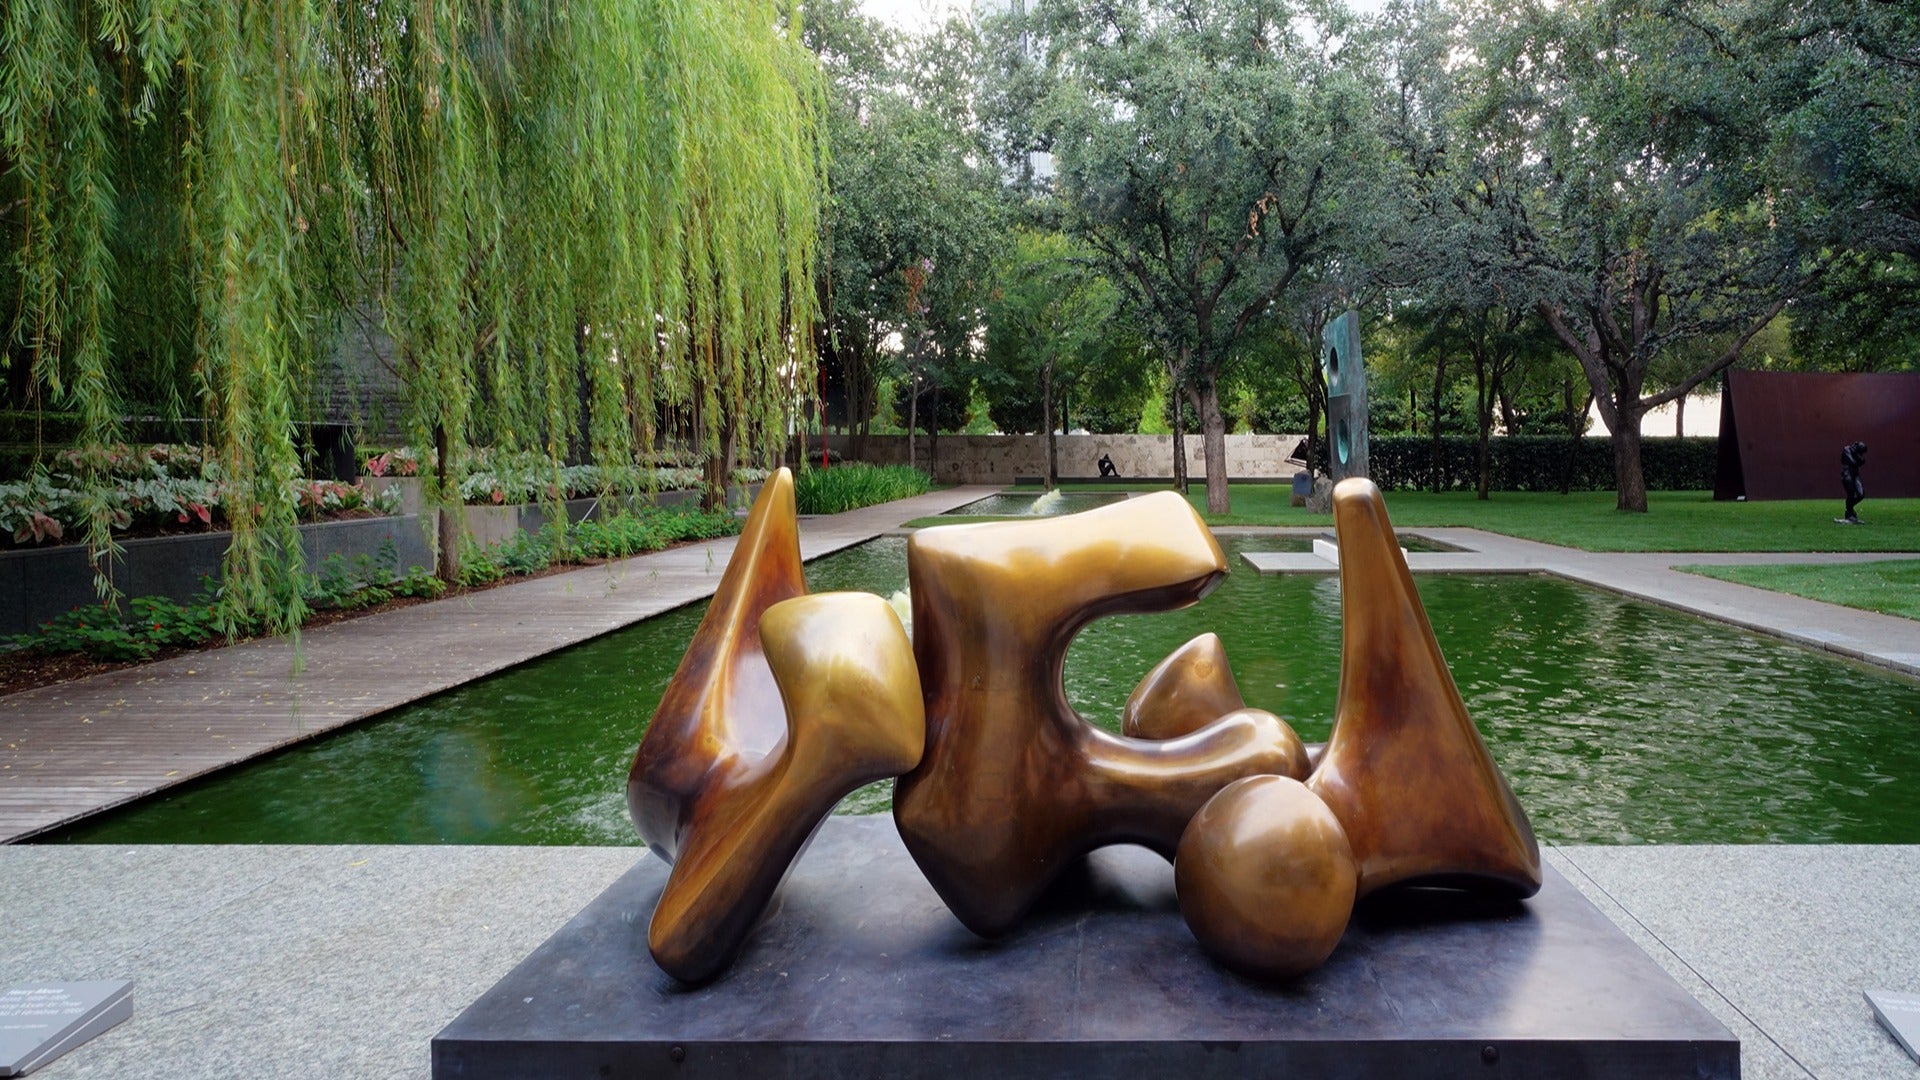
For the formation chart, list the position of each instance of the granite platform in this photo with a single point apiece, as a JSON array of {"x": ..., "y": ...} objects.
[
  {"x": 312, "y": 961},
  {"x": 863, "y": 972}
]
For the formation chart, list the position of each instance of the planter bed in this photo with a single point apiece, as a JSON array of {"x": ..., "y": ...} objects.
[{"x": 38, "y": 583}]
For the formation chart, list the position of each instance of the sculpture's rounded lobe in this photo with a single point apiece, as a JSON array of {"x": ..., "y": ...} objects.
[
  {"x": 1266, "y": 878},
  {"x": 1188, "y": 690}
]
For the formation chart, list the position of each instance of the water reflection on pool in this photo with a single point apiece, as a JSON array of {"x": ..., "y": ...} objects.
[
  {"x": 1037, "y": 504},
  {"x": 1616, "y": 722}
]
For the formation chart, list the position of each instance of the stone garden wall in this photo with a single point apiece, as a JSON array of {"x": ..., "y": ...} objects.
[
  {"x": 1002, "y": 459},
  {"x": 38, "y": 583}
]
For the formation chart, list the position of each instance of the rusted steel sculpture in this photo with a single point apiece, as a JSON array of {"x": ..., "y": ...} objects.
[
  {"x": 1015, "y": 786},
  {"x": 785, "y": 702}
]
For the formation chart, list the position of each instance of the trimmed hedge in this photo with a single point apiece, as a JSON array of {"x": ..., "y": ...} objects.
[
  {"x": 854, "y": 485},
  {"x": 1536, "y": 463}
]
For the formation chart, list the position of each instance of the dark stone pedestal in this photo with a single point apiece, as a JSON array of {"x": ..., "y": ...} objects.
[{"x": 862, "y": 972}]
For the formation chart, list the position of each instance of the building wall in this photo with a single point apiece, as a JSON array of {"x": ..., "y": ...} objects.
[{"x": 1002, "y": 459}]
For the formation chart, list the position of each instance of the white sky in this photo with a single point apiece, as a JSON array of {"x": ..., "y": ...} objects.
[
  {"x": 920, "y": 15},
  {"x": 914, "y": 15}
]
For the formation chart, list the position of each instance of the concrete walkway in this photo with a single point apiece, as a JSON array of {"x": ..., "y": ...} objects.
[
  {"x": 345, "y": 961},
  {"x": 76, "y": 748},
  {"x": 1884, "y": 640}
]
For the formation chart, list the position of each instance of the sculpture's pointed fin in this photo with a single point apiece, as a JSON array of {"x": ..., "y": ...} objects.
[
  {"x": 1404, "y": 769},
  {"x": 721, "y": 703}
]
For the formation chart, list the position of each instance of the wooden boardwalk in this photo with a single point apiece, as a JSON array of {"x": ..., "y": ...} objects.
[{"x": 76, "y": 748}]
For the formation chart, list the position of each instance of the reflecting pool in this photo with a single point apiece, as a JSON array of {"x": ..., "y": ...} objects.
[
  {"x": 1037, "y": 504},
  {"x": 1616, "y": 722}
]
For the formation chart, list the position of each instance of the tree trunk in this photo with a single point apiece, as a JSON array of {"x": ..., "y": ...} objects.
[
  {"x": 1680, "y": 416},
  {"x": 448, "y": 564},
  {"x": 1628, "y": 476},
  {"x": 1483, "y": 400},
  {"x": 1052, "y": 478},
  {"x": 913, "y": 414},
  {"x": 933, "y": 435},
  {"x": 1433, "y": 426},
  {"x": 1179, "y": 428},
  {"x": 1213, "y": 427},
  {"x": 1576, "y": 427}
]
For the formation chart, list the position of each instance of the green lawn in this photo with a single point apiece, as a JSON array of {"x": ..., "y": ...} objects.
[
  {"x": 1891, "y": 587},
  {"x": 1675, "y": 521}
]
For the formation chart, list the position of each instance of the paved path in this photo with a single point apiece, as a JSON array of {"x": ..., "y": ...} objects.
[
  {"x": 75, "y": 748},
  {"x": 321, "y": 961},
  {"x": 1884, "y": 640}
]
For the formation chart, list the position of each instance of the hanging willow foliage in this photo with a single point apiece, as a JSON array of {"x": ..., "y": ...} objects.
[{"x": 576, "y": 220}]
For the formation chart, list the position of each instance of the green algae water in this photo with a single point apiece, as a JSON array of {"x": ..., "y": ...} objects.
[{"x": 1616, "y": 722}]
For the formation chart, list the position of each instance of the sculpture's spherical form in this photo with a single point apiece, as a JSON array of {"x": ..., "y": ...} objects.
[{"x": 1266, "y": 877}]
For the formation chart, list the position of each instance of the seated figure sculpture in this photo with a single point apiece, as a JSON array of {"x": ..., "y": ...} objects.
[{"x": 784, "y": 703}]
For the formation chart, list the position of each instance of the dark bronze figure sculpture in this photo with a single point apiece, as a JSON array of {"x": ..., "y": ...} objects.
[
  {"x": 1853, "y": 457},
  {"x": 785, "y": 702}
]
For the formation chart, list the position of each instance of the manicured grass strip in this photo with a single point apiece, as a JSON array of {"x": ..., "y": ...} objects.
[
  {"x": 853, "y": 485},
  {"x": 1891, "y": 587},
  {"x": 1675, "y": 521}
]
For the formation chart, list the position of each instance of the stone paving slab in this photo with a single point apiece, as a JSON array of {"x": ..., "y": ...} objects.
[
  {"x": 75, "y": 748},
  {"x": 1778, "y": 941},
  {"x": 1883, "y": 640},
  {"x": 307, "y": 961}
]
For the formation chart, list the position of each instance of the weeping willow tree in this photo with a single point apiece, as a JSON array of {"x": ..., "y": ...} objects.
[{"x": 578, "y": 222}]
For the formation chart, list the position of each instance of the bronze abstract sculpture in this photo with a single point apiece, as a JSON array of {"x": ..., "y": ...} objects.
[
  {"x": 785, "y": 702},
  {"x": 1266, "y": 878},
  {"x": 1015, "y": 786},
  {"x": 1404, "y": 769}
]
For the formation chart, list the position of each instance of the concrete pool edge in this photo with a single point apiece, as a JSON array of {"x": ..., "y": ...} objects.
[
  {"x": 1883, "y": 641},
  {"x": 303, "y": 960}
]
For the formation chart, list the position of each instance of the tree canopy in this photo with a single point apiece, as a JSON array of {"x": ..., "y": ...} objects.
[{"x": 577, "y": 229}]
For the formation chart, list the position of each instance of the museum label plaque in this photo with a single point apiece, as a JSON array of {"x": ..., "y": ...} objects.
[
  {"x": 1900, "y": 1013},
  {"x": 41, "y": 1021}
]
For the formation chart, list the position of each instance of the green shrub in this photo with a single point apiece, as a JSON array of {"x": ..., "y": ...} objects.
[
  {"x": 851, "y": 486},
  {"x": 1535, "y": 463},
  {"x": 622, "y": 535},
  {"x": 147, "y": 625}
]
